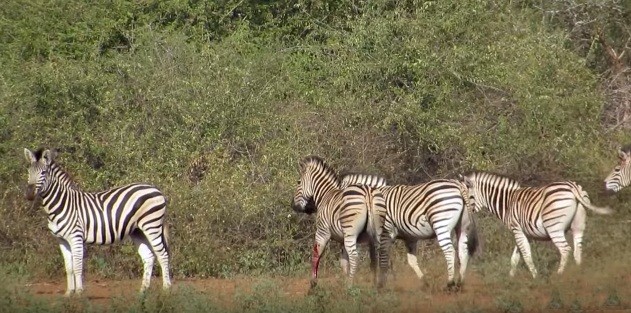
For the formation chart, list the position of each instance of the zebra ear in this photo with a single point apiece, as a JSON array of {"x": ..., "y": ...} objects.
[
  {"x": 467, "y": 181},
  {"x": 30, "y": 157},
  {"x": 49, "y": 156},
  {"x": 621, "y": 154}
]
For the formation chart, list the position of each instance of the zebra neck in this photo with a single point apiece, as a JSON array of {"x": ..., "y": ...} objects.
[
  {"x": 58, "y": 174},
  {"x": 497, "y": 204},
  {"x": 57, "y": 191},
  {"x": 321, "y": 190},
  {"x": 56, "y": 197}
]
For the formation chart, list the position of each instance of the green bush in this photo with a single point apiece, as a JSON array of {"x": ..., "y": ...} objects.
[{"x": 216, "y": 104}]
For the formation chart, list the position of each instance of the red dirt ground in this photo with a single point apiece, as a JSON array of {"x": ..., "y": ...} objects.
[{"x": 410, "y": 293}]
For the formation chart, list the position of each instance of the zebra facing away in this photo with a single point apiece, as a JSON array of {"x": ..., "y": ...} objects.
[
  {"x": 431, "y": 210},
  {"x": 620, "y": 176},
  {"x": 76, "y": 217},
  {"x": 542, "y": 213},
  {"x": 351, "y": 215}
]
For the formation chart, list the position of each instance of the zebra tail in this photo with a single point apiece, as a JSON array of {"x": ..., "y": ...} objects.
[
  {"x": 472, "y": 233},
  {"x": 583, "y": 198},
  {"x": 468, "y": 220},
  {"x": 372, "y": 222},
  {"x": 165, "y": 237}
]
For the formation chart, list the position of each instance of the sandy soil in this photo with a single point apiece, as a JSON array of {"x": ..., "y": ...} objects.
[{"x": 487, "y": 295}]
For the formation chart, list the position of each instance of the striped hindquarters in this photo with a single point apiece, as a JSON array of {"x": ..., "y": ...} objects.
[
  {"x": 363, "y": 209},
  {"x": 422, "y": 211}
]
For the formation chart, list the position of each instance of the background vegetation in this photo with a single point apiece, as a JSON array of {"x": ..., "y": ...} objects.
[{"x": 215, "y": 102}]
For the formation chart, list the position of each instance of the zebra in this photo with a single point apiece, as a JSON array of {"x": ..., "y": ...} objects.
[
  {"x": 351, "y": 215},
  {"x": 620, "y": 176},
  {"x": 542, "y": 213},
  {"x": 76, "y": 218},
  {"x": 424, "y": 211}
]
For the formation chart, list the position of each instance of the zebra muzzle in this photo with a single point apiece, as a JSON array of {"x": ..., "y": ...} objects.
[{"x": 30, "y": 193}]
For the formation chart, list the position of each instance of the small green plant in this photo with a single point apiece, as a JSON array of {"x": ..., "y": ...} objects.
[
  {"x": 613, "y": 300},
  {"x": 556, "y": 302},
  {"x": 509, "y": 305},
  {"x": 576, "y": 306}
]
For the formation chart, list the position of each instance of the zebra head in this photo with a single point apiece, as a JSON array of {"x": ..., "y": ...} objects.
[
  {"x": 39, "y": 168},
  {"x": 620, "y": 177},
  {"x": 315, "y": 176},
  {"x": 303, "y": 198}
]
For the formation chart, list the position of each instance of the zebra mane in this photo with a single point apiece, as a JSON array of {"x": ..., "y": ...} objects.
[
  {"x": 495, "y": 177},
  {"x": 38, "y": 153},
  {"x": 56, "y": 169},
  {"x": 63, "y": 176},
  {"x": 319, "y": 162},
  {"x": 626, "y": 148}
]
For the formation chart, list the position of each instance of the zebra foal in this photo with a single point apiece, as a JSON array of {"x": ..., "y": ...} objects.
[
  {"x": 542, "y": 213},
  {"x": 349, "y": 215},
  {"x": 76, "y": 218}
]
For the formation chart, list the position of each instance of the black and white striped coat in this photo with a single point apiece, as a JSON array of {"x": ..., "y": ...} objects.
[
  {"x": 349, "y": 215},
  {"x": 542, "y": 213},
  {"x": 76, "y": 217}
]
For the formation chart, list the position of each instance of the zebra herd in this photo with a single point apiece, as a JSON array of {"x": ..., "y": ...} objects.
[{"x": 350, "y": 209}]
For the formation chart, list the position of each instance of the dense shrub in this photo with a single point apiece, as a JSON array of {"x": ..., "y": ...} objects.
[{"x": 215, "y": 103}]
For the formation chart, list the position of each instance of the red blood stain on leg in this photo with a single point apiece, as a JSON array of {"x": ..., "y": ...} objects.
[{"x": 315, "y": 262}]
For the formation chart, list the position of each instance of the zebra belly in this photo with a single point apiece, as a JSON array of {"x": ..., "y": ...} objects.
[
  {"x": 536, "y": 231},
  {"x": 426, "y": 232}
]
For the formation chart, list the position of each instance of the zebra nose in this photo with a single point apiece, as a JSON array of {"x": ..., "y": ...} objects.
[
  {"x": 610, "y": 188},
  {"x": 30, "y": 192}
]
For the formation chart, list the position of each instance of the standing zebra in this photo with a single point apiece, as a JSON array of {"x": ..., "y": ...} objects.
[
  {"x": 75, "y": 217},
  {"x": 351, "y": 215},
  {"x": 542, "y": 213},
  {"x": 620, "y": 177},
  {"x": 430, "y": 210}
]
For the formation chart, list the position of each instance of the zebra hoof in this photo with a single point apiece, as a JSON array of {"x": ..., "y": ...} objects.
[
  {"x": 425, "y": 284},
  {"x": 452, "y": 287},
  {"x": 313, "y": 290}
]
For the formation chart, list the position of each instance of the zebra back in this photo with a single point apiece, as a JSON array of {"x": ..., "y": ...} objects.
[{"x": 362, "y": 179}]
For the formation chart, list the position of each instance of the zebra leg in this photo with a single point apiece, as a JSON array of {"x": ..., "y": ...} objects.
[
  {"x": 558, "y": 238},
  {"x": 463, "y": 253},
  {"x": 68, "y": 262},
  {"x": 387, "y": 238},
  {"x": 524, "y": 248},
  {"x": 514, "y": 261},
  {"x": 318, "y": 250},
  {"x": 350, "y": 243},
  {"x": 374, "y": 257},
  {"x": 411, "y": 245},
  {"x": 344, "y": 261},
  {"x": 160, "y": 247},
  {"x": 445, "y": 243},
  {"x": 146, "y": 255},
  {"x": 76, "y": 247},
  {"x": 578, "y": 229}
]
